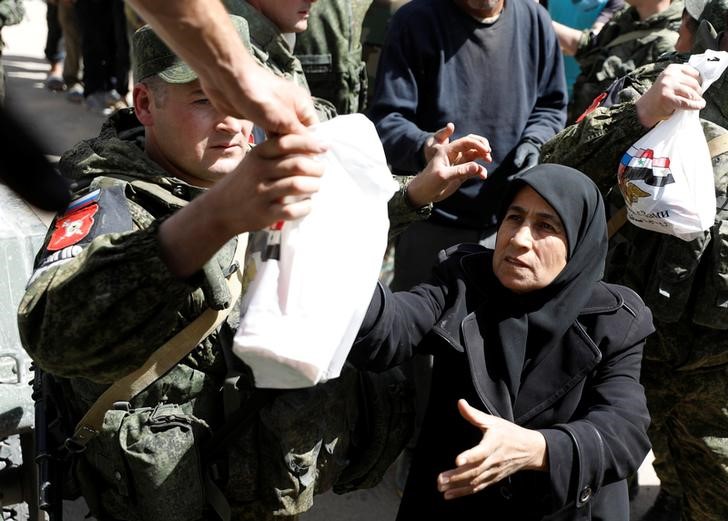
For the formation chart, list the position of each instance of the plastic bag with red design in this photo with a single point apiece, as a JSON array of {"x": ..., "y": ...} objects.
[
  {"x": 666, "y": 177},
  {"x": 311, "y": 291}
]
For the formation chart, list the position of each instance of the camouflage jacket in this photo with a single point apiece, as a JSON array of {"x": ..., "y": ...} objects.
[
  {"x": 684, "y": 283},
  {"x": 330, "y": 51},
  {"x": 97, "y": 308},
  {"x": 624, "y": 44}
]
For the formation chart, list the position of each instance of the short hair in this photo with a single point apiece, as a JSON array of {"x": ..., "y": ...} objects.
[{"x": 158, "y": 87}]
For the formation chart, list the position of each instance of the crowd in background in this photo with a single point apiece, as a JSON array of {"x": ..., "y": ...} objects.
[{"x": 424, "y": 85}]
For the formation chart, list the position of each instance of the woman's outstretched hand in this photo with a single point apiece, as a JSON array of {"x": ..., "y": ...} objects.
[{"x": 505, "y": 449}]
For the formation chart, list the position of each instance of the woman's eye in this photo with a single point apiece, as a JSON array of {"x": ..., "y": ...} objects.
[
  {"x": 548, "y": 226},
  {"x": 201, "y": 101},
  {"x": 513, "y": 217}
]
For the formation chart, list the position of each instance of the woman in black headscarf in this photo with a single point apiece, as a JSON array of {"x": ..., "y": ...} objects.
[{"x": 535, "y": 410}]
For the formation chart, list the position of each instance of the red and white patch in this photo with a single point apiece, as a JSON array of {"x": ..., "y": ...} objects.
[{"x": 72, "y": 228}]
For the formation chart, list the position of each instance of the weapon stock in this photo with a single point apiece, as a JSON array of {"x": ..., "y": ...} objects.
[{"x": 49, "y": 483}]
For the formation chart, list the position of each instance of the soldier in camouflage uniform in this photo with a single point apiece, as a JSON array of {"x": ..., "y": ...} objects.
[
  {"x": 629, "y": 40},
  {"x": 685, "y": 369},
  {"x": 272, "y": 47},
  {"x": 330, "y": 51},
  {"x": 143, "y": 251}
]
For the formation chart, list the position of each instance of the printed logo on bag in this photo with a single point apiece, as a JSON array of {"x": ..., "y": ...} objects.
[{"x": 639, "y": 164}]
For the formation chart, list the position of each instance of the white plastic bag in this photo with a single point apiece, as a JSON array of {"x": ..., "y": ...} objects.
[
  {"x": 666, "y": 177},
  {"x": 304, "y": 310}
]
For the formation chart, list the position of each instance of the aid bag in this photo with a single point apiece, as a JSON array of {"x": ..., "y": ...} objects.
[
  {"x": 666, "y": 177},
  {"x": 302, "y": 312}
]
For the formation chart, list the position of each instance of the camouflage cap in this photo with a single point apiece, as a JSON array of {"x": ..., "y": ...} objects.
[
  {"x": 716, "y": 12},
  {"x": 153, "y": 57},
  {"x": 695, "y": 8}
]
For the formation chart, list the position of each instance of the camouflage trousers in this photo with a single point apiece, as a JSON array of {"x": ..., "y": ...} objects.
[{"x": 689, "y": 434}]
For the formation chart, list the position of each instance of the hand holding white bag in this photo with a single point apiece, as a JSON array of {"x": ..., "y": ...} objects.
[
  {"x": 302, "y": 312},
  {"x": 666, "y": 177}
]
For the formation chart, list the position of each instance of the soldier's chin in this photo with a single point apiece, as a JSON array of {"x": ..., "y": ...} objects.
[{"x": 224, "y": 165}]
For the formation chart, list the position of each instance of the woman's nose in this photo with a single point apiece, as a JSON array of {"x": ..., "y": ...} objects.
[{"x": 522, "y": 236}]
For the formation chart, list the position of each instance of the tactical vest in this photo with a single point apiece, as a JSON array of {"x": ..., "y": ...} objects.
[
  {"x": 330, "y": 52},
  {"x": 622, "y": 45},
  {"x": 273, "y": 450}
]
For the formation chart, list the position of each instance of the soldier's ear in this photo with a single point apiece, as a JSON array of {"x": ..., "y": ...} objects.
[{"x": 142, "y": 96}]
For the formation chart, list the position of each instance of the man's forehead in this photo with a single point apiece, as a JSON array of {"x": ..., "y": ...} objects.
[{"x": 192, "y": 87}]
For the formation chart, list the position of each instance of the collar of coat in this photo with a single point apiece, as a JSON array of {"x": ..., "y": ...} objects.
[{"x": 550, "y": 375}]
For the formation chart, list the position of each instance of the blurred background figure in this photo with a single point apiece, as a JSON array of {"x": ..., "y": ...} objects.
[
  {"x": 72, "y": 63},
  {"x": 581, "y": 14},
  {"x": 105, "y": 49},
  {"x": 635, "y": 36},
  {"x": 54, "y": 51}
]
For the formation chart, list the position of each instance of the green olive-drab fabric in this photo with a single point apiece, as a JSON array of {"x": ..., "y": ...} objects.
[
  {"x": 685, "y": 284},
  {"x": 601, "y": 63},
  {"x": 680, "y": 281},
  {"x": 331, "y": 53},
  {"x": 98, "y": 315}
]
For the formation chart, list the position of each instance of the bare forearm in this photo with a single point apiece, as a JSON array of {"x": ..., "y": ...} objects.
[
  {"x": 568, "y": 38},
  {"x": 539, "y": 451},
  {"x": 200, "y": 32}
]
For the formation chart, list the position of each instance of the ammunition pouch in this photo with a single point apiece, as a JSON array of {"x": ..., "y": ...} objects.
[
  {"x": 345, "y": 88},
  {"x": 145, "y": 465}
]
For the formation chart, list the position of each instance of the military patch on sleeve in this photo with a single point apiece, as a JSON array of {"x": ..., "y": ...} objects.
[
  {"x": 72, "y": 227},
  {"x": 97, "y": 212}
]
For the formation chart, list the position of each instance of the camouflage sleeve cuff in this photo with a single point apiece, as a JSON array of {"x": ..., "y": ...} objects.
[
  {"x": 585, "y": 42},
  {"x": 401, "y": 211}
]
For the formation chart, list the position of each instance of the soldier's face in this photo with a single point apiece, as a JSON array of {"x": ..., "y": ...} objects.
[
  {"x": 188, "y": 137},
  {"x": 531, "y": 246},
  {"x": 685, "y": 33},
  {"x": 290, "y": 16}
]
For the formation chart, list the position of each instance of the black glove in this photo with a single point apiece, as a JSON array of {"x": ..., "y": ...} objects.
[{"x": 526, "y": 155}]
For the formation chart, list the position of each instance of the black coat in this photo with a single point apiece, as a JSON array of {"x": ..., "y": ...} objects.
[{"x": 584, "y": 395}]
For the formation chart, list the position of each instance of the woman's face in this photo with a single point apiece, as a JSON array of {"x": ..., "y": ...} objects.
[{"x": 531, "y": 246}]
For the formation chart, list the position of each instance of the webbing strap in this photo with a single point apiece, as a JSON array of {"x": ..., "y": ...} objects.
[
  {"x": 615, "y": 223},
  {"x": 160, "y": 362},
  {"x": 717, "y": 146},
  {"x": 633, "y": 35}
]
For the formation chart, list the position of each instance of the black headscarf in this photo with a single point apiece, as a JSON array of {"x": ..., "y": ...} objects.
[{"x": 529, "y": 325}]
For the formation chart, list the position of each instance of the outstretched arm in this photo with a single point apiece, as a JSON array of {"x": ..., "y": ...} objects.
[
  {"x": 201, "y": 33},
  {"x": 568, "y": 38}
]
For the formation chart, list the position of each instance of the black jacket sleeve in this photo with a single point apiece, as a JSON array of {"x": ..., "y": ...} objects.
[{"x": 607, "y": 438}]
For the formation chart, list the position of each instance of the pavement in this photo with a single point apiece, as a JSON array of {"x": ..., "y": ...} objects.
[{"x": 59, "y": 124}]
